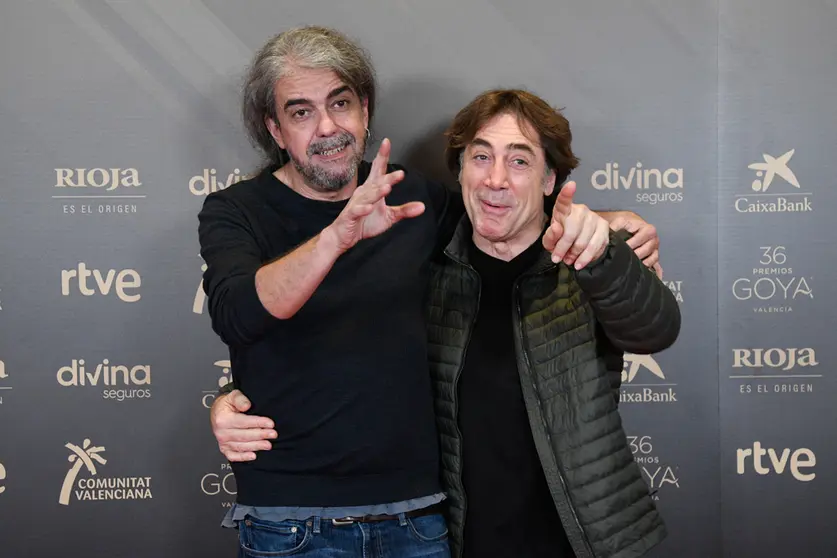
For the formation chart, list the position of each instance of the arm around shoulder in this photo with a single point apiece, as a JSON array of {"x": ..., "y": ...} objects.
[{"x": 636, "y": 310}]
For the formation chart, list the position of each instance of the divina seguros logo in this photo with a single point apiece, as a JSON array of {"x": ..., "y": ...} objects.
[
  {"x": 119, "y": 382},
  {"x": 3, "y": 376},
  {"x": 87, "y": 191},
  {"x": 652, "y": 186},
  {"x": 96, "y": 488},
  {"x": 209, "y": 181}
]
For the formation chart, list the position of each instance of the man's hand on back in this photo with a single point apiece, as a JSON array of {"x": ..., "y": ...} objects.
[
  {"x": 239, "y": 435},
  {"x": 645, "y": 242}
]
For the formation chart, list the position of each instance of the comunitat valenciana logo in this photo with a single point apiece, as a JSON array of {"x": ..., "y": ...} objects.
[
  {"x": 774, "y": 286},
  {"x": 119, "y": 382},
  {"x": 768, "y": 461},
  {"x": 221, "y": 485},
  {"x": 649, "y": 185},
  {"x": 775, "y": 370},
  {"x": 83, "y": 483},
  {"x": 98, "y": 191},
  {"x": 643, "y": 381},
  {"x": 123, "y": 284},
  {"x": 676, "y": 287},
  {"x": 775, "y": 188},
  {"x": 657, "y": 472},
  {"x": 210, "y": 181},
  {"x": 225, "y": 368}
]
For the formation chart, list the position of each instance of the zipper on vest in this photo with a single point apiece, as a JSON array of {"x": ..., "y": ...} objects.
[
  {"x": 518, "y": 323},
  {"x": 456, "y": 404}
]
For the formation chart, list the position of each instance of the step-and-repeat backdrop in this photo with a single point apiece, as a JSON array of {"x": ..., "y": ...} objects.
[{"x": 715, "y": 121}]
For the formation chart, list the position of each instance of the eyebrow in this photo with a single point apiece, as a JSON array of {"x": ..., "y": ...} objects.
[
  {"x": 331, "y": 95},
  {"x": 511, "y": 146}
]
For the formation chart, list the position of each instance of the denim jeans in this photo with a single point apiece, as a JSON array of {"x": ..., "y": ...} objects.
[{"x": 406, "y": 537}]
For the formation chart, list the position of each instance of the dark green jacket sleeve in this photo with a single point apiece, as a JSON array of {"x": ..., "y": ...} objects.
[{"x": 637, "y": 312}]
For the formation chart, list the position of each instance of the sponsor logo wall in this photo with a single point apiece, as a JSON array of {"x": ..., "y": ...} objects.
[{"x": 108, "y": 362}]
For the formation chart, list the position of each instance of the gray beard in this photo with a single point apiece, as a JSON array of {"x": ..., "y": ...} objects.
[{"x": 323, "y": 180}]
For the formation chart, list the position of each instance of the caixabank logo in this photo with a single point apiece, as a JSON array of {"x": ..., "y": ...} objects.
[
  {"x": 648, "y": 185},
  {"x": 98, "y": 191},
  {"x": 83, "y": 482},
  {"x": 660, "y": 474},
  {"x": 774, "y": 285},
  {"x": 643, "y": 381},
  {"x": 774, "y": 189},
  {"x": 224, "y": 369},
  {"x": 775, "y": 370}
]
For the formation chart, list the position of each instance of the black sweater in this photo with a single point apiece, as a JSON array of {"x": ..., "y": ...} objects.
[{"x": 345, "y": 380}]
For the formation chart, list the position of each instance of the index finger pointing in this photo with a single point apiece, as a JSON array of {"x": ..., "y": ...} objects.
[
  {"x": 379, "y": 164},
  {"x": 564, "y": 201}
]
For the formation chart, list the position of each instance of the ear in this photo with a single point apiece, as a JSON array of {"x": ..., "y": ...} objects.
[
  {"x": 365, "y": 104},
  {"x": 549, "y": 183},
  {"x": 275, "y": 131}
]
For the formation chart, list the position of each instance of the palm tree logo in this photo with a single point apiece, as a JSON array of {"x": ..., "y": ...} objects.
[
  {"x": 79, "y": 456},
  {"x": 770, "y": 168},
  {"x": 634, "y": 362},
  {"x": 200, "y": 295}
]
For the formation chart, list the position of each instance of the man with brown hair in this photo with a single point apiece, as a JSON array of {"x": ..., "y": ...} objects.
[{"x": 535, "y": 461}]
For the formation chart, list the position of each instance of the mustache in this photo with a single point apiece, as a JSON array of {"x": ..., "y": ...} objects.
[{"x": 340, "y": 140}]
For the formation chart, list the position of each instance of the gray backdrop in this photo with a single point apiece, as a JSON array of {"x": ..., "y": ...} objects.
[{"x": 710, "y": 119}]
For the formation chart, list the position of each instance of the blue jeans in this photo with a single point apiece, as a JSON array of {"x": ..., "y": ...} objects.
[{"x": 406, "y": 537}]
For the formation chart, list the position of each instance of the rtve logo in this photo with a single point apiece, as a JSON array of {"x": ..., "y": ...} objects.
[
  {"x": 106, "y": 179},
  {"x": 121, "y": 282},
  {"x": 777, "y": 461}
]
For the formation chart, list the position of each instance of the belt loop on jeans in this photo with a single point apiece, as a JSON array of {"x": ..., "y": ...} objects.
[
  {"x": 402, "y": 519},
  {"x": 317, "y": 522}
]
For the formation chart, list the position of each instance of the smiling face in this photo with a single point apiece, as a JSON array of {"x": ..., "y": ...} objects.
[
  {"x": 504, "y": 178},
  {"x": 322, "y": 126}
]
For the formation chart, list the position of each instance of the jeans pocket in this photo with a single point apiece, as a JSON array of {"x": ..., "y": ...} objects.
[
  {"x": 428, "y": 528},
  {"x": 258, "y": 537}
]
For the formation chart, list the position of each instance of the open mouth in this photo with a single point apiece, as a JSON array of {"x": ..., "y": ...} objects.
[
  {"x": 332, "y": 153},
  {"x": 494, "y": 208}
]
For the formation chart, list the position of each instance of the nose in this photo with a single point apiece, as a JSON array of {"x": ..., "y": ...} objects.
[
  {"x": 498, "y": 177},
  {"x": 326, "y": 126}
]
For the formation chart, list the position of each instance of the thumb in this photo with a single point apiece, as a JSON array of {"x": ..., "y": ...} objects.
[{"x": 239, "y": 401}]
